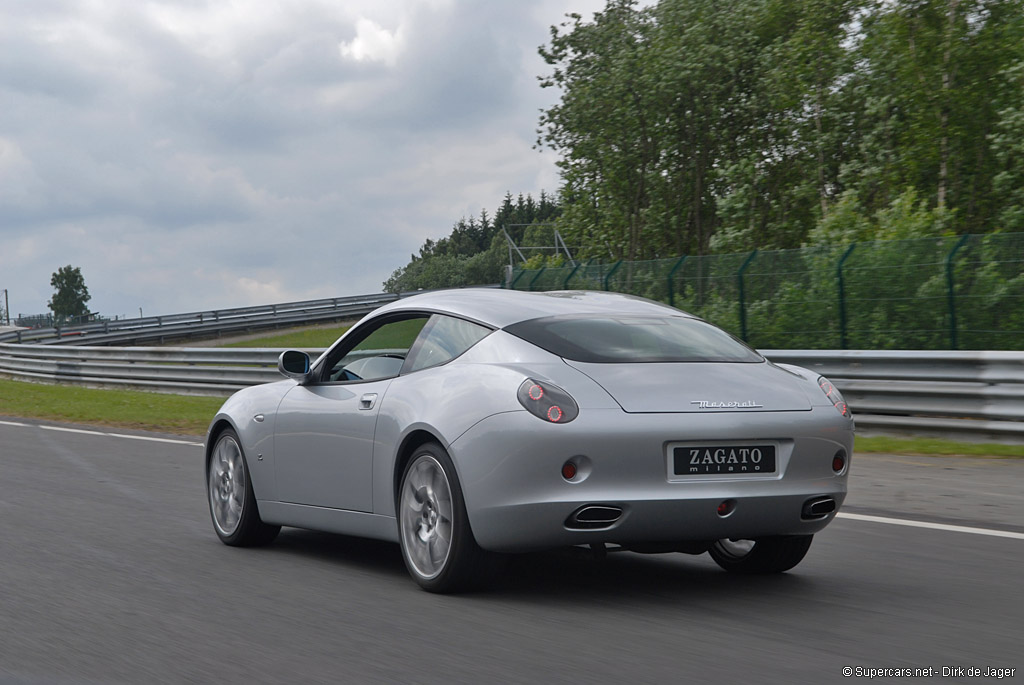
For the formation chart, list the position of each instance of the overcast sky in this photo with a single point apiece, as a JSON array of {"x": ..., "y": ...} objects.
[{"x": 197, "y": 154}]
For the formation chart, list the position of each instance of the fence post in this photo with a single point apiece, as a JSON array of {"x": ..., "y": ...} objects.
[
  {"x": 539, "y": 272},
  {"x": 512, "y": 285},
  {"x": 842, "y": 297},
  {"x": 565, "y": 283},
  {"x": 611, "y": 271},
  {"x": 949, "y": 289},
  {"x": 671, "y": 275},
  {"x": 742, "y": 294}
]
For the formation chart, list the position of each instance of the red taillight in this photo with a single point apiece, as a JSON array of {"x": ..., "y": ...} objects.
[
  {"x": 833, "y": 394},
  {"x": 726, "y": 507},
  {"x": 547, "y": 401},
  {"x": 568, "y": 470}
]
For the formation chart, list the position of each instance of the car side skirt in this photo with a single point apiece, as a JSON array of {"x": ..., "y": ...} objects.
[{"x": 340, "y": 521}]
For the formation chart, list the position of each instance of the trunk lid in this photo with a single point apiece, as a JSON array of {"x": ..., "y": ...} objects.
[{"x": 698, "y": 387}]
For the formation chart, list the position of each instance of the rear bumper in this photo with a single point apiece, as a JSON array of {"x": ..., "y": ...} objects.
[{"x": 510, "y": 468}]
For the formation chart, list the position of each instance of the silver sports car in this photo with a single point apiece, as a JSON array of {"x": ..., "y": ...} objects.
[{"x": 468, "y": 422}]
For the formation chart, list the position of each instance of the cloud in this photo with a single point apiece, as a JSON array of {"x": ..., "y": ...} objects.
[
  {"x": 198, "y": 154},
  {"x": 373, "y": 44}
]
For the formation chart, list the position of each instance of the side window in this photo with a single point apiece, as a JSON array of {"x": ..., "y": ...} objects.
[
  {"x": 378, "y": 355},
  {"x": 444, "y": 338}
]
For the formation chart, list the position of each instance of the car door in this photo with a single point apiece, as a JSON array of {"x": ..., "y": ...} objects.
[{"x": 323, "y": 443}]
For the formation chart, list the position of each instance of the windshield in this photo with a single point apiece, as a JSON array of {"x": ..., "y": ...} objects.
[{"x": 625, "y": 339}]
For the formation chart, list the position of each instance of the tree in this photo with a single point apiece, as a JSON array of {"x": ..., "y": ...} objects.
[
  {"x": 71, "y": 294},
  {"x": 694, "y": 117}
]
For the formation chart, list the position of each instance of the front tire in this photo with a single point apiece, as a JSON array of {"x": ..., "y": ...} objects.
[
  {"x": 764, "y": 555},
  {"x": 437, "y": 543},
  {"x": 236, "y": 519}
]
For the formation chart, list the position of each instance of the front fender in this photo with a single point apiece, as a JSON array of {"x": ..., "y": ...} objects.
[{"x": 242, "y": 412}]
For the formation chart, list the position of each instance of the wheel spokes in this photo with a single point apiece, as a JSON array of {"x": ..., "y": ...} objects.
[
  {"x": 426, "y": 517},
  {"x": 227, "y": 485}
]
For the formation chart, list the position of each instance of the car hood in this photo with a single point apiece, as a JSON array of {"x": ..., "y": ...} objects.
[{"x": 698, "y": 387}]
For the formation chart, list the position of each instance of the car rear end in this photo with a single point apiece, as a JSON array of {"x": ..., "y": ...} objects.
[{"x": 647, "y": 433}]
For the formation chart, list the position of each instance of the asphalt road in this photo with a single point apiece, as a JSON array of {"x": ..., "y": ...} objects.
[{"x": 110, "y": 573}]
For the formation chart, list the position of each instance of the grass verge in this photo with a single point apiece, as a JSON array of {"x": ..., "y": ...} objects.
[
  {"x": 298, "y": 339},
  {"x": 179, "y": 414},
  {"x": 400, "y": 334},
  {"x": 936, "y": 446}
]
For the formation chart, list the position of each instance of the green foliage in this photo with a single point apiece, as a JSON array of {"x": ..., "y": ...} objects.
[
  {"x": 475, "y": 252},
  {"x": 1008, "y": 146},
  {"x": 845, "y": 224},
  {"x": 71, "y": 294},
  {"x": 697, "y": 126}
]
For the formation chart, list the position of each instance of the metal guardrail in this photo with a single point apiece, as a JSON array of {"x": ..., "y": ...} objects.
[
  {"x": 952, "y": 394},
  {"x": 212, "y": 323},
  {"x": 941, "y": 393},
  {"x": 184, "y": 370}
]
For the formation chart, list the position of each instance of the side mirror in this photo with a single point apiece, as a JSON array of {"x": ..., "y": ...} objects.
[{"x": 293, "y": 364}]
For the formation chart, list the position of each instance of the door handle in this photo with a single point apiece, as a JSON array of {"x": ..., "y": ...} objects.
[{"x": 367, "y": 401}]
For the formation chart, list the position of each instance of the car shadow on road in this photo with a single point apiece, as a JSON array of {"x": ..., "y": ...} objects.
[
  {"x": 569, "y": 575},
  {"x": 363, "y": 554},
  {"x": 573, "y": 574}
]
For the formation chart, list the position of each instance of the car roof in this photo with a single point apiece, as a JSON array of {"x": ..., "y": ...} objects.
[{"x": 499, "y": 308}]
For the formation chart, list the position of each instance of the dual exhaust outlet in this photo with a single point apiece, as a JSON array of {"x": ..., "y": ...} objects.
[
  {"x": 818, "y": 507},
  {"x": 597, "y": 516},
  {"x": 593, "y": 516}
]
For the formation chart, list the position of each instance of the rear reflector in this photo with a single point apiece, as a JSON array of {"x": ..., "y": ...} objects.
[{"x": 839, "y": 461}]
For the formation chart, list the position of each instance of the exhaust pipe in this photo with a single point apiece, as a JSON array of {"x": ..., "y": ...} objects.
[
  {"x": 818, "y": 507},
  {"x": 592, "y": 516}
]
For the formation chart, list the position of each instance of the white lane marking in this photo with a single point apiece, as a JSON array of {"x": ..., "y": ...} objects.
[
  {"x": 70, "y": 430},
  {"x": 933, "y": 526},
  {"x": 109, "y": 435},
  {"x": 151, "y": 439}
]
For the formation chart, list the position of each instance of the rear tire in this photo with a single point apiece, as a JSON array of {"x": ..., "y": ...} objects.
[
  {"x": 437, "y": 543},
  {"x": 764, "y": 555},
  {"x": 236, "y": 518}
]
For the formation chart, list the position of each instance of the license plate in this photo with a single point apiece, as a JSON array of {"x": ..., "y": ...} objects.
[{"x": 715, "y": 460}]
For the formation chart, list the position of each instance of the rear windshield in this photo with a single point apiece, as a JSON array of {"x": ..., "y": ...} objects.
[{"x": 625, "y": 339}]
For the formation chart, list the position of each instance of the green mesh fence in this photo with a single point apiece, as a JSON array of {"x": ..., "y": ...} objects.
[
  {"x": 896, "y": 294},
  {"x": 956, "y": 292},
  {"x": 987, "y": 300},
  {"x": 646, "y": 279},
  {"x": 708, "y": 287},
  {"x": 790, "y": 299}
]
